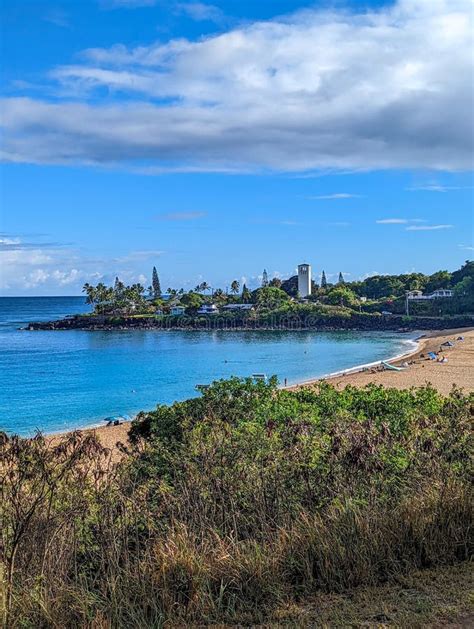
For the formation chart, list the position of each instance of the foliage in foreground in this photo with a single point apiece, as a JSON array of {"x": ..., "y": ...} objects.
[{"x": 227, "y": 506}]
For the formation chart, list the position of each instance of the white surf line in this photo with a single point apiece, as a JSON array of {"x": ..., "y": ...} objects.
[{"x": 343, "y": 372}]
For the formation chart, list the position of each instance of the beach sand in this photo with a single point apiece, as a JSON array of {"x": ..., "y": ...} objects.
[{"x": 459, "y": 371}]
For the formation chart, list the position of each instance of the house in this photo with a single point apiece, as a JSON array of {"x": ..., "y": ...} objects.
[
  {"x": 238, "y": 307},
  {"x": 177, "y": 311},
  {"x": 441, "y": 292},
  {"x": 208, "y": 309},
  {"x": 415, "y": 294}
]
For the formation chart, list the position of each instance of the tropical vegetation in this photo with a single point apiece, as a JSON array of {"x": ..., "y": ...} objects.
[{"x": 374, "y": 295}]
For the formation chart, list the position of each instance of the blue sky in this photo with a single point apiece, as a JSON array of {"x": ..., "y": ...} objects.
[{"x": 215, "y": 140}]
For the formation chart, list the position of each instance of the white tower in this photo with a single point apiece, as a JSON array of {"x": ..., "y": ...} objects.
[{"x": 304, "y": 280}]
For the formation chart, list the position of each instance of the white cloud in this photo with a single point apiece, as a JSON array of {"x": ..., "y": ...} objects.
[
  {"x": 466, "y": 247},
  {"x": 436, "y": 187},
  {"x": 398, "y": 221},
  {"x": 134, "y": 256},
  {"x": 55, "y": 268},
  {"x": 57, "y": 17},
  {"x": 337, "y": 195},
  {"x": 420, "y": 228},
  {"x": 315, "y": 90},
  {"x": 200, "y": 12}
]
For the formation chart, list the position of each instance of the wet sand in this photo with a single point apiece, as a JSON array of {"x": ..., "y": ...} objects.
[{"x": 458, "y": 371}]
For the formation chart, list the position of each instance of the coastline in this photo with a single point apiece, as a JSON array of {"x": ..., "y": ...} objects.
[
  {"x": 459, "y": 371},
  {"x": 360, "y": 368}
]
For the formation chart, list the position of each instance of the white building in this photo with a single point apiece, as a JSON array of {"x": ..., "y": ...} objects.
[
  {"x": 238, "y": 307},
  {"x": 417, "y": 295},
  {"x": 304, "y": 280},
  {"x": 177, "y": 311},
  {"x": 208, "y": 309},
  {"x": 441, "y": 292}
]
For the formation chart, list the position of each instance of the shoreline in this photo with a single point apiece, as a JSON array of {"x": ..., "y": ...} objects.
[
  {"x": 459, "y": 370},
  {"x": 361, "y": 368},
  {"x": 311, "y": 321},
  {"x": 100, "y": 425}
]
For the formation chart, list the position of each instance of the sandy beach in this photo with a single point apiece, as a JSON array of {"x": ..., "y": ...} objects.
[{"x": 458, "y": 371}]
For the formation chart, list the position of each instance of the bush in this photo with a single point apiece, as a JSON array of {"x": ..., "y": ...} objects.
[{"x": 226, "y": 505}]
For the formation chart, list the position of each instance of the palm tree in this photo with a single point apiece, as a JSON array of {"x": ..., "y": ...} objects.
[
  {"x": 205, "y": 286},
  {"x": 91, "y": 293},
  {"x": 234, "y": 287}
]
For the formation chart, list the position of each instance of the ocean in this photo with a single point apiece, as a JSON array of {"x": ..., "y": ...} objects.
[{"x": 60, "y": 380}]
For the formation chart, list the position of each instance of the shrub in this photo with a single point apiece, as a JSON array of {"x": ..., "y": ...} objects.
[{"x": 226, "y": 505}]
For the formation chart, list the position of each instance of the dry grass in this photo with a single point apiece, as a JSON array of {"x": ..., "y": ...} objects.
[{"x": 441, "y": 597}]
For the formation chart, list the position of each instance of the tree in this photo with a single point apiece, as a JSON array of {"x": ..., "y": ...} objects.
[
  {"x": 276, "y": 282},
  {"x": 118, "y": 288},
  {"x": 219, "y": 296},
  {"x": 342, "y": 296},
  {"x": 192, "y": 301},
  {"x": 234, "y": 287},
  {"x": 246, "y": 295},
  {"x": 91, "y": 294},
  {"x": 202, "y": 287},
  {"x": 341, "y": 279},
  {"x": 324, "y": 281},
  {"x": 467, "y": 270},
  {"x": 155, "y": 282},
  {"x": 270, "y": 297},
  {"x": 264, "y": 278}
]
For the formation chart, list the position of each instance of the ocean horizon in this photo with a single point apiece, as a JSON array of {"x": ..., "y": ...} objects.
[{"x": 56, "y": 381}]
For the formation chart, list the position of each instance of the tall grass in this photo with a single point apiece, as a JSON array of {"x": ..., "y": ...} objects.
[{"x": 230, "y": 504}]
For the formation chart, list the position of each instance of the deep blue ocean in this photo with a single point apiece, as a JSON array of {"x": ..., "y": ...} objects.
[{"x": 59, "y": 380}]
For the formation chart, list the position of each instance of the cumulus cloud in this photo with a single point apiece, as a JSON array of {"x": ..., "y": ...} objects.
[
  {"x": 315, "y": 90},
  {"x": 51, "y": 267}
]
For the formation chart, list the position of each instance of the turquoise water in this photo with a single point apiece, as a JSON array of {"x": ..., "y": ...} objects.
[{"x": 58, "y": 380}]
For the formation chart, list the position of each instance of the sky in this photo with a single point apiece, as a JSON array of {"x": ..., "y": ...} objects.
[{"x": 215, "y": 140}]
